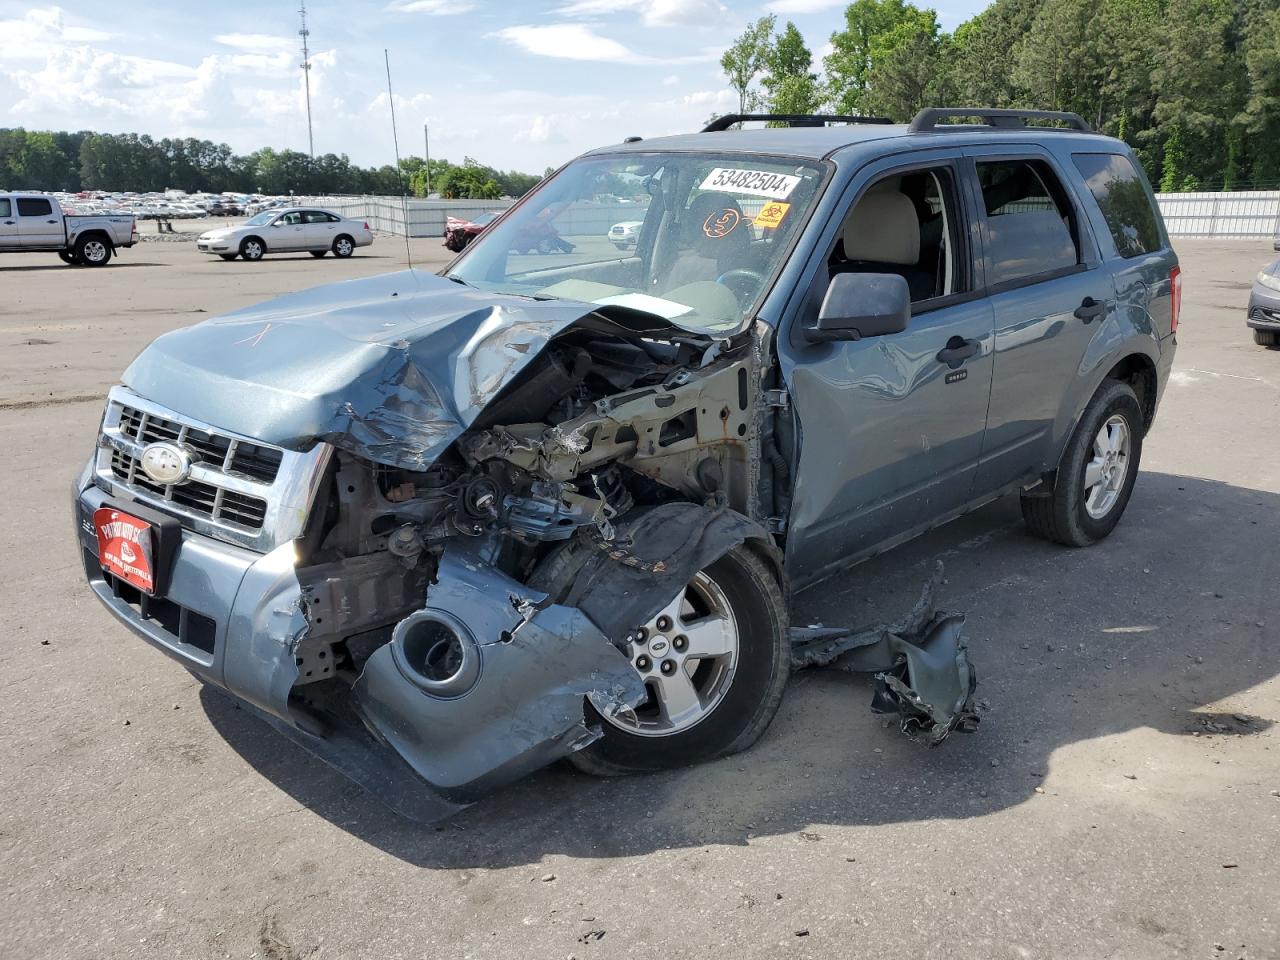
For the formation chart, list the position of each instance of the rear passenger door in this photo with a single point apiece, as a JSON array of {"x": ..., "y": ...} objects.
[
  {"x": 8, "y": 224},
  {"x": 1134, "y": 245},
  {"x": 1050, "y": 295},
  {"x": 320, "y": 229},
  {"x": 39, "y": 224}
]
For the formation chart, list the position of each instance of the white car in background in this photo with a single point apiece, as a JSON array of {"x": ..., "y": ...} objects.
[
  {"x": 287, "y": 230},
  {"x": 624, "y": 235}
]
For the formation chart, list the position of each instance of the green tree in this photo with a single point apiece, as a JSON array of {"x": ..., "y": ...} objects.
[
  {"x": 848, "y": 67},
  {"x": 792, "y": 86},
  {"x": 747, "y": 57},
  {"x": 906, "y": 68}
]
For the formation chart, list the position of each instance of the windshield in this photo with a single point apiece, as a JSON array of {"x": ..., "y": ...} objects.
[
  {"x": 694, "y": 238},
  {"x": 261, "y": 220}
]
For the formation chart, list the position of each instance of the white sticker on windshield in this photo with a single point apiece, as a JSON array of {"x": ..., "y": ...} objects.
[{"x": 757, "y": 183}]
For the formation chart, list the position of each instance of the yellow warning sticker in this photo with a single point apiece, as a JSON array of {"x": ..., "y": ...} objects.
[{"x": 771, "y": 215}]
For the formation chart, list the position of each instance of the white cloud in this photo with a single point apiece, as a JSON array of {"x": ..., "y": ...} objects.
[
  {"x": 568, "y": 41},
  {"x": 543, "y": 129},
  {"x": 433, "y": 8},
  {"x": 43, "y": 31},
  {"x": 576, "y": 41},
  {"x": 670, "y": 81},
  {"x": 255, "y": 42},
  {"x": 802, "y": 6},
  {"x": 653, "y": 13}
]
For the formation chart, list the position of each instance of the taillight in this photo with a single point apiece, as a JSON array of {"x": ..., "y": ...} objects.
[
  {"x": 366, "y": 226},
  {"x": 1175, "y": 297}
]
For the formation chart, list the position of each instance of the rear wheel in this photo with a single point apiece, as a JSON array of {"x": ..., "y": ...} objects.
[
  {"x": 93, "y": 251},
  {"x": 251, "y": 248},
  {"x": 318, "y": 253},
  {"x": 1267, "y": 338},
  {"x": 1096, "y": 475},
  {"x": 343, "y": 246},
  {"x": 715, "y": 661}
]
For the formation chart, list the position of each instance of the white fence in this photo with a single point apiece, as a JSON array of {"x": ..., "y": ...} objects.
[
  {"x": 425, "y": 217},
  {"x": 1243, "y": 213}
]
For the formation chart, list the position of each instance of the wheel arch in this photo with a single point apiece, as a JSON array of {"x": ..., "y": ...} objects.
[{"x": 1139, "y": 371}]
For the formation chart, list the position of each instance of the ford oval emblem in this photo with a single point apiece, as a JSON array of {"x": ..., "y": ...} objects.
[{"x": 165, "y": 462}]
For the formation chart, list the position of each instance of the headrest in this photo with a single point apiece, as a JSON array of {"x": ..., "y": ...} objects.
[{"x": 883, "y": 227}]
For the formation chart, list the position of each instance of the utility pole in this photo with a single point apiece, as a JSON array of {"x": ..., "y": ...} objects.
[
  {"x": 426, "y": 149},
  {"x": 306, "y": 73}
]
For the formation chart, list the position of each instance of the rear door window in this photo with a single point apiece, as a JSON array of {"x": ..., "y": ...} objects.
[
  {"x": 6, "y": 209},
  {"x": 1122, "y": 197},
  {"x": 34, "y": 207},
  {"x": 1031, "y": 231}
]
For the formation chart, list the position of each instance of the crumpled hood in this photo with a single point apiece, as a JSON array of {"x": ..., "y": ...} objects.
[{"x": 391, "y": 368}]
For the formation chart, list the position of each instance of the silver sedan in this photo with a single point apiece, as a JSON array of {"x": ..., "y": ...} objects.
[{"x": 287, "y": 230}]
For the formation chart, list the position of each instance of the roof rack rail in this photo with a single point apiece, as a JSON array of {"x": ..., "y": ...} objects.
[
  {"x": 926, "y": 121},
  {"x": 790, "y": 119}
]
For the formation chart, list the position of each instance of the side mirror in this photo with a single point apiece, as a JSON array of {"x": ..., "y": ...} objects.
[{"x": 859, "y": 305}]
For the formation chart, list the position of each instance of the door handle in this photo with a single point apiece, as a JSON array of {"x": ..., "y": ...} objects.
[
  {"x": 51, "y": 221},
  {"x": 1090, "y": 309},
  {"x": 957, "y": 351},
  {"x": 8, "y": 223}
]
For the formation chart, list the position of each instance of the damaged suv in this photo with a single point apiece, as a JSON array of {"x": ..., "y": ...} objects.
[{"x": 444, "y": 530}]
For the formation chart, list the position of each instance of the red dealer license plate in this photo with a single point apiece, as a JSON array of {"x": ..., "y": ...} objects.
[{"x": 126, "y": 547}]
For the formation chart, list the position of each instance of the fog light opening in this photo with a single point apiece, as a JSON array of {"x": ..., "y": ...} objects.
[{"x": 438, "y": 655}]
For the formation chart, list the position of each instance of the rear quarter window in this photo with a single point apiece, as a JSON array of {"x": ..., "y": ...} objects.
[
  {"x": 6, "y": 209},
  {"x": 31, "y": 207},
  {"x": 1122, "y": 198}
]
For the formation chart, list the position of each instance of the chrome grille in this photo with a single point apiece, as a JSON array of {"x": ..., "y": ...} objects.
[{"x": 238, "y": 489}]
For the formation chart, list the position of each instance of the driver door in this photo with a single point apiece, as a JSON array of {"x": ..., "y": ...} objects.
[
  {"x": 288, "y": 233},
  {"x": 890, "y": 427}
]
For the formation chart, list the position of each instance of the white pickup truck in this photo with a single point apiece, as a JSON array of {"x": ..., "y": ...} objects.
[{"x": 31, "y": 222}]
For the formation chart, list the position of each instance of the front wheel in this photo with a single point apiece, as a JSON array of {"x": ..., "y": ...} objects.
[
  {"x": 227, "y": 256},
  {"x": 251, "y": 249},
  {"x": 1267, "y": 338},
  {"x": 343, "y": 247},
  {"x": 318, "y": 253},
  {"x": 715, "y": 661},
  {"x": 68, "y": 257},
  {"x": 1096, "y": 475},
  {"x": 93, "y": 251}
]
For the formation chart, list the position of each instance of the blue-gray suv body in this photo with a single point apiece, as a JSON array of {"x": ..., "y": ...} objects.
[{"x": 551, "y": 505}]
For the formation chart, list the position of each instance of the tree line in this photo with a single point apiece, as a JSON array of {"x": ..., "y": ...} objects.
[
  {"x": 46, "y": 160},
  {"x": 1192, "y": 85}
]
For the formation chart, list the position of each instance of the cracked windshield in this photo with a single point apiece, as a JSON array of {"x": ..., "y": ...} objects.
[{"x": 693, "y": 238}]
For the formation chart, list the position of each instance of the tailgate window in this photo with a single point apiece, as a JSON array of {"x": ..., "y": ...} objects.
[{"x": 1122, "y": 197}]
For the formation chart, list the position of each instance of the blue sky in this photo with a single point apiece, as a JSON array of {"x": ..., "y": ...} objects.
[{"x": 518, "y": 85}]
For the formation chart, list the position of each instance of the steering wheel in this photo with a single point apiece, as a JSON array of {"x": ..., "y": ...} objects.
[{"x": 743, "y": 283}]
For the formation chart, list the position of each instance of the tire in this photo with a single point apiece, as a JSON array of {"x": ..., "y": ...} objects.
[
  {"x": 343, "y": 246},
  {"x": 1076, "y": 515},
  {"x": 252, "y": 249},
  {"x": 318, "y": 253},
  {"x": 69, "y": 257},
  {"x": 743, "y": 706},
  {"x": 1267, "y": 338},
  {"x": 227, "y": 256},
  {"x": 93, "y": 251}
]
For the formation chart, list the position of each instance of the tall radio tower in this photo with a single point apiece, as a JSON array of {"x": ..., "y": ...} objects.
[{"x": 306, "y": 73}]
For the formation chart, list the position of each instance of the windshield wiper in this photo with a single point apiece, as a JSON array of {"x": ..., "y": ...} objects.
[{"x": 456, "y": 279}]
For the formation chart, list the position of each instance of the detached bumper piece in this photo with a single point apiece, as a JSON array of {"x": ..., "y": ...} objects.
[
  {"x": 485, "y": 684},
  {"x": 921, "y": 666}
]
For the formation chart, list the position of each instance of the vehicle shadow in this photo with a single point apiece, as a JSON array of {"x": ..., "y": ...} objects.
[
  {"x": 1151, "y": 628},
  {"x": 33, "y": 267}
]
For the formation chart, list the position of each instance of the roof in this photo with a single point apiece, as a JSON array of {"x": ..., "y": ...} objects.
[{"x": 817, "y": 143}]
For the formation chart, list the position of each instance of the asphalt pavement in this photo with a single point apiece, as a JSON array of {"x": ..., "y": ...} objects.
[{"x": 1120, "y": 800}]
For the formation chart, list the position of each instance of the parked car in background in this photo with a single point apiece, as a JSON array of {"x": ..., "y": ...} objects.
[
  {"x": 623, "y": 235},
  {"x": 287, "y": 230},
  {"x": 1264, "y": 305},
  {"x": 459, "y": 232},
  {"x": 32, "y": 222}
]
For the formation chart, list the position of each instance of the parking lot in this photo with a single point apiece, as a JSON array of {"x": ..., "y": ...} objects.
[{"x": 1121, "y": 798}]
